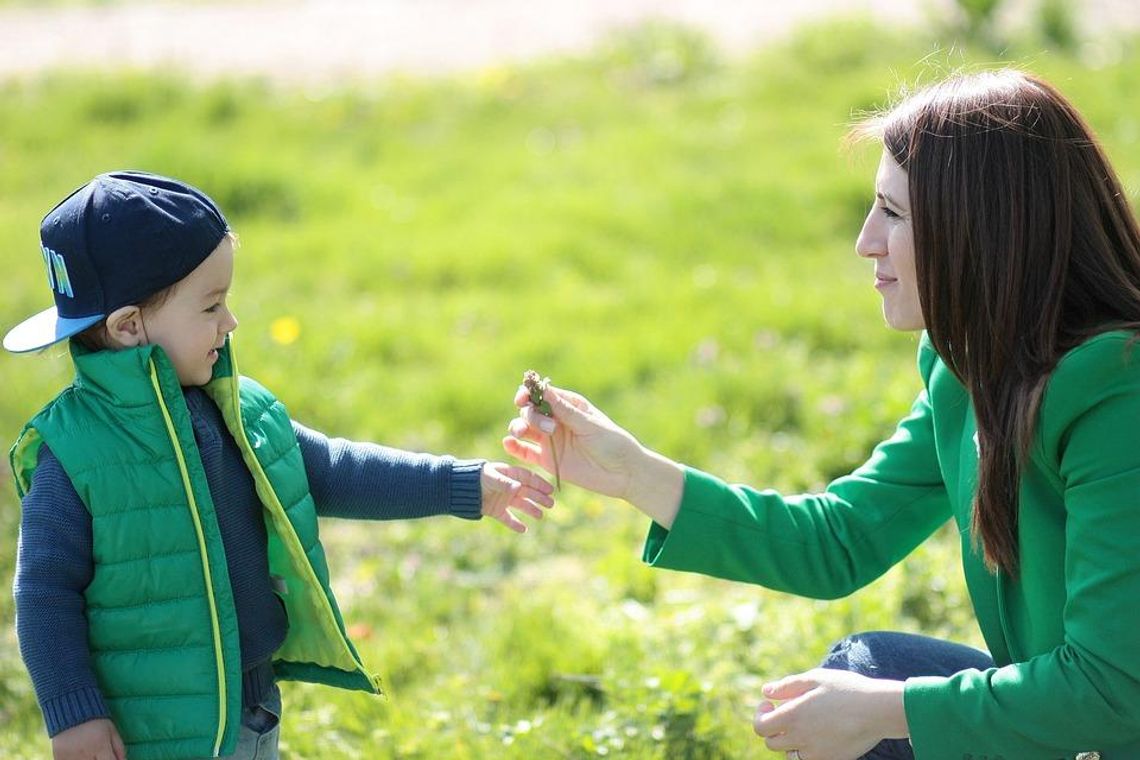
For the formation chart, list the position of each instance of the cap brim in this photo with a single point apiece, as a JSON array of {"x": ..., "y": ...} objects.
[{"x": 45, "y": 328}]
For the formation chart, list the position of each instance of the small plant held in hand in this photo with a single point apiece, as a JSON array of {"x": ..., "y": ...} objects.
[{"x": 536, "y": 386}]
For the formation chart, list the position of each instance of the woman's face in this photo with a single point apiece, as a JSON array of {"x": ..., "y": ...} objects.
[{"x": 887, "y": 238}]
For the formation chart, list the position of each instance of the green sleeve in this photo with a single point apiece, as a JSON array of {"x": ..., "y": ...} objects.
[
  {"x": 820, "y": 545},
  {"x": 1084, "y": 694}
]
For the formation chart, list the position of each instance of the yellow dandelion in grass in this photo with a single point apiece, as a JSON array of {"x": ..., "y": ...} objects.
[
  {"x": 493, "y": 78},
  {"x": 285, "y": 330}
]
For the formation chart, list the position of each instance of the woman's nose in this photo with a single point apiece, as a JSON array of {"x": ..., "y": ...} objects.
[{"x": 871, "y": 241}]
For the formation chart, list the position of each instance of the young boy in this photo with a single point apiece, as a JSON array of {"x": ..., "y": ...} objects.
[{"x": 169, "y": 569}]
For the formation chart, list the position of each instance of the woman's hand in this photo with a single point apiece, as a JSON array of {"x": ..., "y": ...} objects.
[
  {"x": 830, "y": 714},
  {"x": 594, "y": 452},
  {"x": 506, "y": 488},
  {"x": 94, "y": 740}
]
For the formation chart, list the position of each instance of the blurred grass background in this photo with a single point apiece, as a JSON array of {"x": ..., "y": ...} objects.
[{"x": 666, "y": 230}]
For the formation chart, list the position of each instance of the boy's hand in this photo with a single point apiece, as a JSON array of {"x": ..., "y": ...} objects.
[
  {"x": 94, "y": 740},
  {"x": 506, "y": 487}
]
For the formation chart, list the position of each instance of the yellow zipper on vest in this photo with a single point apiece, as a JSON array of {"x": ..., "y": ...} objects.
[
  {"x": 258, "y": 473},
  {"x": 219, "y": 659}
]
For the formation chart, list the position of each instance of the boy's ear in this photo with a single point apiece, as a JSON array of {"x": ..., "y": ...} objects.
[{"x": 125, "y": 328}]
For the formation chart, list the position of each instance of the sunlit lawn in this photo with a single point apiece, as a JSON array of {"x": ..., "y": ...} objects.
[{"x": 668, "y": 232}]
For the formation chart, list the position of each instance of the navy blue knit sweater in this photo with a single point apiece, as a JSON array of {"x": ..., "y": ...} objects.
[{"x": 54, "y": 560}]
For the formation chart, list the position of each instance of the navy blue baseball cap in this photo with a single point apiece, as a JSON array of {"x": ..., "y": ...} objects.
[{"x": 123, "y": 236}]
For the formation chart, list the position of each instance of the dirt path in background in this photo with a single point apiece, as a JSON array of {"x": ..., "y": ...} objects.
[{"x": 330, "y": 40}]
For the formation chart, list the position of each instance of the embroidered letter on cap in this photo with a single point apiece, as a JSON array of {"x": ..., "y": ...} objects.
[{"x": 58, "y": 278}]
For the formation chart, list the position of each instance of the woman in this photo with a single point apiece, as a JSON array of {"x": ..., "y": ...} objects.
[{"x": 1000, "y": 229}]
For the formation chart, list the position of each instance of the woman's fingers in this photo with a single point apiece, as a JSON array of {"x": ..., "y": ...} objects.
[
  {"x": 537, "y": 419},
  {"x": 771, "y": 723},
  {"x": 790, "y": 687},
  {"x": 762, "y": 710},
  {"x": 522, "y": 450},
  {"x": 769, "y": 720},
  {"x": 526, "y": 425},
  {"x": 571, "y": 409}
]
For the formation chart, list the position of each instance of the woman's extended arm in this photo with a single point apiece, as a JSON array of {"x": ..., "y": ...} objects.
[{"x": 819, "y": 545}]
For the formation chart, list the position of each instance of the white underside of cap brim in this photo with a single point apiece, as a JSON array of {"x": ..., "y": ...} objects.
[{"x": 45, "y": 328}]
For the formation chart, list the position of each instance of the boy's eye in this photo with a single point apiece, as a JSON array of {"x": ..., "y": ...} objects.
[{"x": 214, "y": 308}]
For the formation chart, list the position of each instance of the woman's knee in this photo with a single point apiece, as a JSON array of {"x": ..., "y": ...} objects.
[
  {"x": 855, "y": 653},
  {"x": 894, "y": 655}
]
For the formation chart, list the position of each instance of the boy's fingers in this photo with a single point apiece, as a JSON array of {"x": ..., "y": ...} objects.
[
  {"x": 117, "y": 745},
  {"x": 529, "y": 496},
  {"x": 529, "y": 479},
  {"x": 107, "y": 752},
  {"x": 528, "y": 507},
  {"x": 518, "y": 482},
  {"x": 512, "y": 522}
]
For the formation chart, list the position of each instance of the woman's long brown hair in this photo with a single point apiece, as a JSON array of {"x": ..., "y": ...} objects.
[{"x": 1025, "y": 246}]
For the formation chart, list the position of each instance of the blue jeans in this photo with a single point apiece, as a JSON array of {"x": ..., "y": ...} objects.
[
  {"x": 260, "y": 730},
  {"x": 898, "y": 656}
]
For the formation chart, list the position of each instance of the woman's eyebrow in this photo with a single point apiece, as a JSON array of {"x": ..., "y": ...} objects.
[{"x": 888, "y": 199}]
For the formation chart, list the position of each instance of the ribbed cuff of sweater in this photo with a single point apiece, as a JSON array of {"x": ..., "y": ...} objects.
[
  {"x": 467, "y": 488},
  {"x": 75, "y": 707}
]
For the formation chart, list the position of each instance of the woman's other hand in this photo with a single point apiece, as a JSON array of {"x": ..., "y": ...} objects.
[{"x": 830, "y": 714}]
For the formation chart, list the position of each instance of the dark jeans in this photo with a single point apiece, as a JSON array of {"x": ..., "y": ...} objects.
[{"x": 898, "y": 656}]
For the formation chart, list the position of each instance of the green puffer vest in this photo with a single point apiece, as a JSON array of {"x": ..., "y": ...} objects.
[{"x": 162, "y": 627}]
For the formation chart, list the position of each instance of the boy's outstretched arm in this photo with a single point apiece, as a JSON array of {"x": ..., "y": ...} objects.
[{"x": 373, "y": 482}]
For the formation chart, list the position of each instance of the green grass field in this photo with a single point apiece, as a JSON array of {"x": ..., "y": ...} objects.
[{"x": 665, "y": 230}]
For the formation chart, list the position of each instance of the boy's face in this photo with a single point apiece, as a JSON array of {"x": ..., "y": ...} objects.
[{"x": 192, "y": 323}]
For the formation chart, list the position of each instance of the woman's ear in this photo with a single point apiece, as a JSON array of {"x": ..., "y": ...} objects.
[{"x": 125, "y": 328}]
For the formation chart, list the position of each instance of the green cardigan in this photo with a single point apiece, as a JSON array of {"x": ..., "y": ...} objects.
[{"x": 1063, "y": 635}]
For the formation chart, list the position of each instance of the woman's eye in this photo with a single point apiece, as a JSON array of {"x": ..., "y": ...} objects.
[{"x": 889, "y": 214}]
